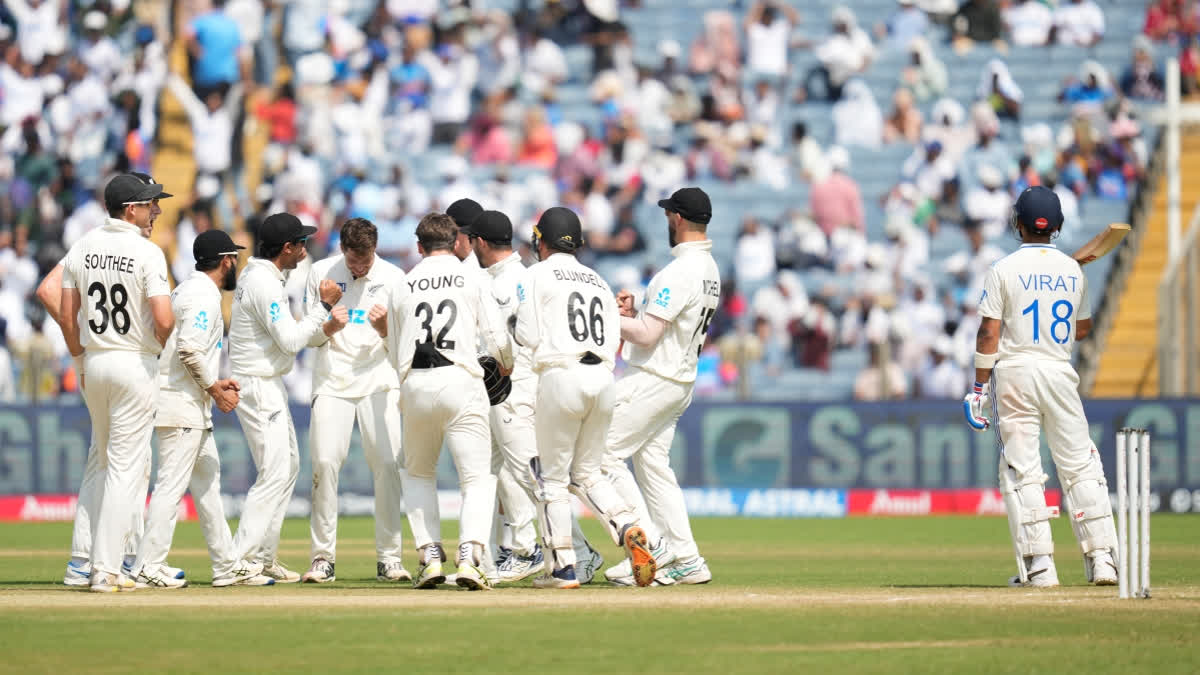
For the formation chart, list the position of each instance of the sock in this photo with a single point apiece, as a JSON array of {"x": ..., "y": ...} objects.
[
  {"x": 1040, "y": 562},
  {"x": 79, "y": 561}
]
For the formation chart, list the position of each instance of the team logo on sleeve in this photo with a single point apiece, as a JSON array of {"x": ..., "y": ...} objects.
[
  {"x": 274, "y": 312},
  {"x": 982, "y": 296},
  {"x": 520, "y": 293},
  {"x": 201, "y": 321},
  {"x": 664, "y": 297}
]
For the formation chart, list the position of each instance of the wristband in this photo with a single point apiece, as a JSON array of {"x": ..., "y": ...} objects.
[
  {"x": 978, "y": 387},
  {"x": 328, "y": 307},
  {"x": 985, "y": 361}
]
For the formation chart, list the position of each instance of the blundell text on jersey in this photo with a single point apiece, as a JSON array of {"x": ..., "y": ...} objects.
[{"x": 582, "y": 277}]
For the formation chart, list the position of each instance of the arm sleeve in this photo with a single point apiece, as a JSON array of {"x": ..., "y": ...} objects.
[
  {"x": 191, "y": 331},
  {"x": 526, "y": 333},
  {"x": 492, "y": 327},
  {"x": 400, "y": 342},
  {"x": 187, "y": 99},
  {"x": 664, "y": 298},
  {"x": 290, "y": 335},
  {"x": 1084, "y": 311},
  {"x": 68, "y": 273},
  {"x": 991, "y": 301},
  {"x": 312, "y": 301},
  {"x": 154, "y": 274}
]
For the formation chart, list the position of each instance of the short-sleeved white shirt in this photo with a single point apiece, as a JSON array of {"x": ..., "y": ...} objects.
[
  {"x": 1078, "y": 23},
  {"x": 1038, "y": 292}
]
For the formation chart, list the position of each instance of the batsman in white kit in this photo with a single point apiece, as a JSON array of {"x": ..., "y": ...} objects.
[
  {"x": 128, "y": 315},
  {"x": 263, "y": 342},
  {"x": 187, "y": 455},
  {"x": 1034, "y": 307},
  {"x": 569, "y": 319},
  {"x": 435, "y": 320},
  {"x": 665, "y": 340},
  {"x": 352, "y": 379}
]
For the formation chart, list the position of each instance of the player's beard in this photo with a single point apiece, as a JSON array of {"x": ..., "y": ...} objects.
[{"x": 229, "y": 283}]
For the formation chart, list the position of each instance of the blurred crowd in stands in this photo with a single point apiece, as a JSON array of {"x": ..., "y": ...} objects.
[{"x": 393, "y": 108}]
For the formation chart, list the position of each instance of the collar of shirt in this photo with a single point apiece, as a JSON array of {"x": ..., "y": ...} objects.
[
  {"x": 704, "y": 245},
  {"x": 365, "y": 277},
  {"x": 268, "y": 265},
  {"x": 196, "y": 274},
  {"x": 440, "y": 260},
  {"x": 514, "y": 259},
  {"x": 121, "y": 225},
  {"x": 1038, "y": 246}
]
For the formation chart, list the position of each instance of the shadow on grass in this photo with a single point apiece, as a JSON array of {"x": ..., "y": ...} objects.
[{"x": 941, "y": 586}]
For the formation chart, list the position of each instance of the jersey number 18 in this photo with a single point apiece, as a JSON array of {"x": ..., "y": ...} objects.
[{"x": 1061, "y": 312}]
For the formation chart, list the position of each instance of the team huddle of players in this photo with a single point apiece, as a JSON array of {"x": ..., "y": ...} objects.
[{"x": 406, "y": 355}]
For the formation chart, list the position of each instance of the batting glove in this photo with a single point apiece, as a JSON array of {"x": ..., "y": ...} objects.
[{"x": 974, "y": 403}]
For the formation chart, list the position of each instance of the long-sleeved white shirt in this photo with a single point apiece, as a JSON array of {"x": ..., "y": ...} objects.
[
  {"x": 212, "y": 132},
  {"x": 194, "y": 350},
  {"x": 567, "y": 310},
  {"x": 505, "y": 276},
  {"x": 263, "y": 337},
  {"x": 354, "y": 362},
  {"x": 438, "y": 314}
]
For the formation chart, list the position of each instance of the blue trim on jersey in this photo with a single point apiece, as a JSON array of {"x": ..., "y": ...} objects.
[{"x": 1038, "y": 246}]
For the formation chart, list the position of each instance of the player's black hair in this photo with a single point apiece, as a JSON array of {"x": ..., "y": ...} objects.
[
  {"x": 270, "y": 251},
  {"x": 208, "y": 265}
]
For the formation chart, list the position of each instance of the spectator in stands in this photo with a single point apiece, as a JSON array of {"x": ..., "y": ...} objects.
[
  {"x": 762, "y": 105},
  {"x": 836, "y": 200},
  {"x": 946, "y": 126},
  {"x": 1143, "y": 80},
  {"x": 942, "y": 377},
  {"x": 814, "y": 336},
  {"x": 537, "y": 144},
  {"x": 769, "y": 27},
  {"x": 988, "y": 205},
  {"x": 928, "y": 168},
  {"x": 988, "y": 150},
  {"x": 212, "y": 138},
  {"x": 998, "y": 88},
  {"x": 717, "y": 46},
  {"x": 977, "y": 21},
  {"x": 217, "y": 50},
  {"x": 607, "y": 35},
  {"x": 754, "y": 256},
  {"x": 98, "y": 51},
  {"x": 781, "y": 304},
  {"x": 1171, "y": 20},
  {"x": 499, "y": 54},
  {"x": 36, "y": 21},
  {"x": 882, "y": 380},
  {"x": 453, "y": 73},
  {"x": 807, "y": 156},
  {"x": 1079, "y": 23},
  {"x": 904, "y": 124},
  {"x": 926, "y": 74},
  {"x": 544, "y": 63},
  {"x": 8, "y": 386},
  {"x": 845, "y": 53},
  {"x": 907, "y": 23},
  {"x": 857, "y": 119},
  {"x": 1029, "y": 23}
]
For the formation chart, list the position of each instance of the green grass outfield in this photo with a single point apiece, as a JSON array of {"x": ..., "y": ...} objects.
[{"x": 884, "y": 595}]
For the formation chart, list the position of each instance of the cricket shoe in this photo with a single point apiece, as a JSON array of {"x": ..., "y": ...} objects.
[
  {"x": 159, "y": 578},
  {"x": 430, "y": 574},
  {"x": 692, "y": 571},
  {"x": 320, "y": 572},
  {"x": 469, "y": 575},
  {"x": 112, "y": 583},
  {"x": 504, "y": 554},
  {"x": 1104, "y": 570},
  {"x": 244, "y": 575},
  {"x": 280, "y": 574},
  {"x": 1047, "y": 577},
  {"x": 563, "y": 577},
  {"x": 173, "y": 572},
  {"x": 391, "y": 571},
  {"x": 518, "y": 567},
  {"x": 621, "y": 574},
  {"x": 633, "y": 538},
  {"x": 78, "y": 575},
  {"x": 586, "y": 568}
]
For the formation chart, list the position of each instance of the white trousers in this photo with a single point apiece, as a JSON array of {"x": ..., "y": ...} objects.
[
  {"x": 187, "y": 458},
  {"x": 647, "y": 409},
  {"x": 121, "y": 390},
  {"x": 91, "y": 490},
  {"x": 447, "y": 405},
  {"x": 514, "y": 445},
  {"x": 267, "y": 422},
  {"x": 574, "y": 409},
  {"x": 332, "y": 423}
]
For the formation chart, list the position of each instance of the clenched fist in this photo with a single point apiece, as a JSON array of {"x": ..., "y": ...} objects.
[
  {"x": 625, "y": 304},
  {"x": 330, "y": 292},
  {"x": 225, "y": 394},
  {"x": 377, "y": 315},
  {"x": 338, "y": 318}
]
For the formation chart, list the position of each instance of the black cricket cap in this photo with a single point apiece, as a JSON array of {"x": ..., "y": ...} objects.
[
  {"x": 492, "y": 226},
  {"x": 282, "y": 228},
  {"x": 560, "y": 228},
  {"x": 129, "y": 189},
  {"x": 1039, "y": 209},
  {"x": 464, "y": 212},
  {"x": 147, "y": 178},
  {"x": 691, "y": 203},
  {"x": 212, "y": 245}
]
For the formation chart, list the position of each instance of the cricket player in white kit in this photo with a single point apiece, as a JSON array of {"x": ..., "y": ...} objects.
[
  {"x": 79, "y": 567},
  {"x": 263, "y": 342},
  {"x": 128, "y": 315},
  {"x": 187, "y": 456},
  {"x": 436, "y": 317},
  {"x": 665, "y": 340},
  {"x": 352, "y": 379},
  {"x": 514, "y": 440},
  {"x": 569, "y": 319},
  {"x": 1034, "y": 307}
]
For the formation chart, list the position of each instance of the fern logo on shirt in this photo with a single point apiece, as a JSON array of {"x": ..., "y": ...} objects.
[
  {"x": 201, "y": 322},
  {"x": 664, "y": 298},
  {"x": 274, "y": 312}
]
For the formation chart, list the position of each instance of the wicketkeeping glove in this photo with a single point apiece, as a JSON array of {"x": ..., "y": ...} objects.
[
  {"x": 975, "y": 403},
  {"x": 498, "y": 386}
]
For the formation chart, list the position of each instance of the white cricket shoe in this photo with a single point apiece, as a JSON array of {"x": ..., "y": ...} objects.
[
  {"x": 321, "y": 572},
  {"x": 586, "y": 568},
  {"x": 430, "y": 574},
  {"x": 246, "y": 574},
  {"x": 561, "y": 578},
  {"x": 693, "y": 571},
  {"x": 517, "y": 567},
  {"x": 1104, "y": 570},
  {"x": 173, "y": 572},
  {"x": 1047, "y": 577},
  {"x": 621, "y": 574},
  {"x": 391, "y": 571},
  {"x": 280, "y": 574},
  {"x": 111, "y": 583},
  {"x": 470, "y": 576},
  {"x": 160, "y": 578},
  {"x": 645, "y": 567},
  {"x": 78, "y": 575}
]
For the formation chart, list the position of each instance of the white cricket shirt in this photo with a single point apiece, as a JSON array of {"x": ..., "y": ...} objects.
[
  {"x": 353, "y": 363},
  {"x": 117, "y": 271},
  {"x": 438, "y": 313},
  {"x": 263, "y": 337},
  {"x": 685, "y": 294},
  {"x": 199, "y": 329},
  {"x": 505, "y": 276},
  {"x": 1038, "y": 292},
  {"x": 566, "y": 310}
]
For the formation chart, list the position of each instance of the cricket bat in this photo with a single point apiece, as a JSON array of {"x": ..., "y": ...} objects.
[{"x": 1102, "y": 244}]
